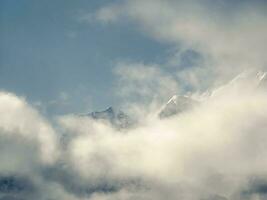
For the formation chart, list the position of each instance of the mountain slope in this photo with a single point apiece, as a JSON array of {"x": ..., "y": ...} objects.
[
  {"x": 251, "y": 80},
  {"x": 177, "y": 104},
  {"x": 116, "y": 118}
]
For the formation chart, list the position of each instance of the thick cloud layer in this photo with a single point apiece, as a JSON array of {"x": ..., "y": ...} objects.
[{"x": 215, "y": 151}]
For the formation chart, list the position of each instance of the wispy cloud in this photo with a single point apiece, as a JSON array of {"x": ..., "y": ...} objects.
[
  {"x": 231, "y": 36},
  {"x": 216, "y": 151}
]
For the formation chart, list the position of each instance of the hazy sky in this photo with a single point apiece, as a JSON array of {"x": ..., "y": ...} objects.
[
  {"x": 59, "y": 57},
  {"x": 48, "y": 53},
  {"x": 63, "y": 55}
]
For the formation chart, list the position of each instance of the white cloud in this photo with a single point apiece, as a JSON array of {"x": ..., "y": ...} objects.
[
  {"x": 28, "y": 143},
  {"x": 215, "y": 151},
  {"x": 21, "y": 124},
  {"x": 210, "y": 151},
  {"x": 230, "y": 37},
  {"x": 143, "y": 85}
]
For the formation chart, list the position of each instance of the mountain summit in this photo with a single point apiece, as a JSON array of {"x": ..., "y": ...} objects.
[
  {"x": 117, "y": 118},
  {"x": 181, "y": 103},
  {"x": 177, "y": 104}
]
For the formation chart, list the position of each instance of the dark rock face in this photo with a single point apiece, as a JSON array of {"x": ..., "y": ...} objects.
[
  {"x": 108, "y": 114},
  {"x": 13, "y": 187},
  {"x": 14, "y": 184},
  {"x": 116, "y": 118}
]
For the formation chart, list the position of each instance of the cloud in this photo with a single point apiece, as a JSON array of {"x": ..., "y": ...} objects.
[
  {"x": 216, "y": 151},
  {"x": 27, "y": 143},
  {"x": 210, "y": 152},
  {"x": 144, "y": 81},
  {"x": 145, "y": 85},
  {"x": 229, "y": 35},
  {"x": 21, "y": 124}
]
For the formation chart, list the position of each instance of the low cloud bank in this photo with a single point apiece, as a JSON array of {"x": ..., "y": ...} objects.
[{"x": 215, "y": 151}]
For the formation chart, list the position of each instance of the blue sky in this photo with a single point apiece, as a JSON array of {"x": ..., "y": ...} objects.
[
  {"x": 47, "y": 52},
  {"x": 61, "y": 55}
]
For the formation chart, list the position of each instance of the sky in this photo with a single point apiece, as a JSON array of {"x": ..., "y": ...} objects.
[
  {"x": 62, "y": 59},
  {"x": 49, "y": 52},
  {"x": 62, "y": 55}
]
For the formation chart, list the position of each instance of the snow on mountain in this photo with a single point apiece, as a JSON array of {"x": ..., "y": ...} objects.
[
  {"x": 262, "y": 79},
  {"x": 177, "y": 104},
  {"x": 251, "y": 80}
]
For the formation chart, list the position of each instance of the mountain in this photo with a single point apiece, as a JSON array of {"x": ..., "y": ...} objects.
[
  {"x": 117, "y": 118},
  {"x": 262, "y": 79},
  {"x": 250, "y": 80},
  {"x": 177, "y": 104}
]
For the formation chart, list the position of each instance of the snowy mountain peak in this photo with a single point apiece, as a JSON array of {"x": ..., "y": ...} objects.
[
  {"x": 105, "y": 114},
  {"x": 251, "y": 80},
  {"x": 173, "y": 99},
  {"x": 177, "y": 104},
  {"x": 261, "y": 75},
  {"x": 178, "y": 98},
  {"x": 115, "y": 117},
  {"x": 262, "y": 79},
  {"x": 250, "y": 76}
]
